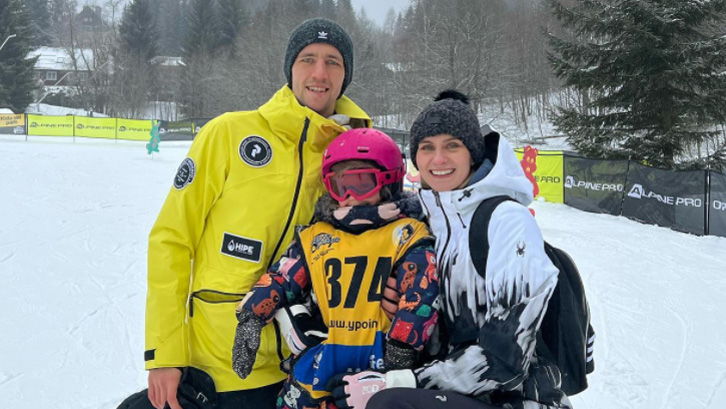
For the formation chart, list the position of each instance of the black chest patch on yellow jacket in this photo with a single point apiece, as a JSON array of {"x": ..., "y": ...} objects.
[
  {"x": 255, "y": 151},
  {"x": 242, "y": 247}
]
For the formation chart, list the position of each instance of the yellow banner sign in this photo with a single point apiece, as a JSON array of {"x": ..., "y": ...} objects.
[
  {"x": 91, "y": 127},
  {"x": 40, "y": 125},
  {"x": 7, "y": 120},
  {"x": 544, "y": 169},
  {"x": 135, "y": 130}
]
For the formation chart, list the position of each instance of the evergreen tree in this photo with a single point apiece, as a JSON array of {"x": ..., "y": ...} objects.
[
  {"x": 40, "y": 21},
  {"x": 203, "y": 35},
  {"x": 327, "y": 9},
  {"x": 231, "y": 21},
  {"x": 306, "y": 8},
  {"x": 172, "y": 25},
  {"x": 17, "y": 80},
  {"x": 345, "y": 13},
  {"x": 62, "y": 13},
  {"x": 650, "y": 73},
  {"x": 138, "y": 30}
]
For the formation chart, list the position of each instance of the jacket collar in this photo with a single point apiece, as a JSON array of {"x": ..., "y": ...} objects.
[{"x": 286, "y": 118}]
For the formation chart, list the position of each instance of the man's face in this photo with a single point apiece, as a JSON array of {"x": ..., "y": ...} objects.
[{"x": 317, "y": 77}]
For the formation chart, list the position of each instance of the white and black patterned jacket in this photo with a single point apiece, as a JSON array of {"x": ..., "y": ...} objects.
[{"x": 491, "y": 322}]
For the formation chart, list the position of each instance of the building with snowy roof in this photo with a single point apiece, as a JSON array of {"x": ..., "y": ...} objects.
[{"x": 56, "y": 66}]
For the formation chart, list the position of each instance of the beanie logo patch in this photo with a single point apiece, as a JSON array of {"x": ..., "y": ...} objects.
[
  {"x": 322, "y": 35},
  {"x": 255, "y": 151}
]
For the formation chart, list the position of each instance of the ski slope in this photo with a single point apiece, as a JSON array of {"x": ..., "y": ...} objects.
[{"x": 74, "y": 220}]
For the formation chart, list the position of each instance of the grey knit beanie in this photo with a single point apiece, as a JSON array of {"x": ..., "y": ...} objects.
[
  {"x": 320, "y": 30},
  {"x": 449, "y": 114}
]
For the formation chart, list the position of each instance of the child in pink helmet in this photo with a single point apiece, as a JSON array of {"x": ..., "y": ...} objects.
[{"x": 365, "y": 267}]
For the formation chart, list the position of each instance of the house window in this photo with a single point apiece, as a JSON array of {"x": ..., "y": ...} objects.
[
  {"x": 51, "y": 75},
  {"x": 82, "y": 76}
]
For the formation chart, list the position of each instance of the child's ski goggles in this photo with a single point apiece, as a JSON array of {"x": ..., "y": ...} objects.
[{"x": 358, "y": 183}]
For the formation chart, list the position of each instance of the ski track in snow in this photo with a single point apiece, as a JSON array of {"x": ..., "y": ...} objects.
[{"x": 75, "y": 220}]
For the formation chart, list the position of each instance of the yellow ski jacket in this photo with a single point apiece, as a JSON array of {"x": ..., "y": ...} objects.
[{"x": 250, "y": 177}]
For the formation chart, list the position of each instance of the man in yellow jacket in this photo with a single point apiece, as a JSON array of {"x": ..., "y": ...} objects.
[{"x": 249, "y": 178}]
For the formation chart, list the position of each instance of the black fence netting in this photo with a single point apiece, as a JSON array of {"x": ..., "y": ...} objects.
[
  {"x": 666, "y": 198},
  {"x": 717, "y": 211},
  {"x": 595, "y": 185}
]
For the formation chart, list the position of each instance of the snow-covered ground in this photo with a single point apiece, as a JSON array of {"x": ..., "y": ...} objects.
[{"x": 74, "y": 220}]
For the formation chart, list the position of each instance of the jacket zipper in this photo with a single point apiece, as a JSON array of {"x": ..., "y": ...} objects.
[
  {"x": 448, "y": 225},
  {"x": 461, "y": 220},
  {"x": 232, "y": 297},
  {"x": 298, "y": 185}
]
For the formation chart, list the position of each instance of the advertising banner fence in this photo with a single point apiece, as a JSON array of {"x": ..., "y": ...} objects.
[
  {"x": 40, "y": 125},
  {"x": 717, "y": 211},
  {"x": 91, "y": 127},
  {"x": 595, "y": 185},
  {"x": 666, "y": 198},
  {"x": 13, "y": 124},
  {"x": 133, "y": 129},
  {"x": 176, "y": 130},
  {"x": 544, "y": 170}
]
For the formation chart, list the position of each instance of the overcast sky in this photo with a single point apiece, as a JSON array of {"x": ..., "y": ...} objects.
[{"x": 377, "y": 10}]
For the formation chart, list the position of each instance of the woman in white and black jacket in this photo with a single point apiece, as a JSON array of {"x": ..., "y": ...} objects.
[{"x": 491, "y": 323}]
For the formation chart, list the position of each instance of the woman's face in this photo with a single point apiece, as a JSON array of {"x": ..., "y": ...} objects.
[{"x": 444, "y": 162}]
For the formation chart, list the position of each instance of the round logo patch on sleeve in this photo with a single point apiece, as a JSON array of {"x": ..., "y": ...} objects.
[
  {"x": 255, "y": 151},
  {"x": 185, "y": 174}
]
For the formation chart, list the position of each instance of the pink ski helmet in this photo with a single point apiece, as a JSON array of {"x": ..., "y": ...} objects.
[{"x": 370, "y": 145}]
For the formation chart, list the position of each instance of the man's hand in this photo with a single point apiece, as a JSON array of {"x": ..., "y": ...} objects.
[
  {"x": 354, "y": 391},
  {"x": 163, "y": 384}
]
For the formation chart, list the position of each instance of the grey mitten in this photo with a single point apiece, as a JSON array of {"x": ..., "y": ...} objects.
[{"x": 246, "y": 342}]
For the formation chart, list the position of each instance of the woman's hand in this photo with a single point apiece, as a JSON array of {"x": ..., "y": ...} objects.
[{"x": 353, "y": 391}]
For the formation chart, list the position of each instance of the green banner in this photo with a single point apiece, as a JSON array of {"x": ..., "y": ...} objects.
[
  {"x": 544, "y": 169},
  {"x": 39, "y": 125},
  {"x": 91, "y": 127},
  {"x": 133, "y": 129}
]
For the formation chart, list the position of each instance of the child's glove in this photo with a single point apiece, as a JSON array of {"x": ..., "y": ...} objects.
[
  {"x": 246, "y": 342},
  {"x": 299, "y": 329},
  {"x": 354, "y": 391}
]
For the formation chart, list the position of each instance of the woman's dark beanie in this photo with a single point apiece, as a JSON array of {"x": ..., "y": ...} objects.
[
  {"x": 450, "y": 113},
  {"x": 320, "y": 30}
]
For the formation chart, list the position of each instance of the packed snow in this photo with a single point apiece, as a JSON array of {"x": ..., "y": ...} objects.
[{"x": 75, "y": 217}]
